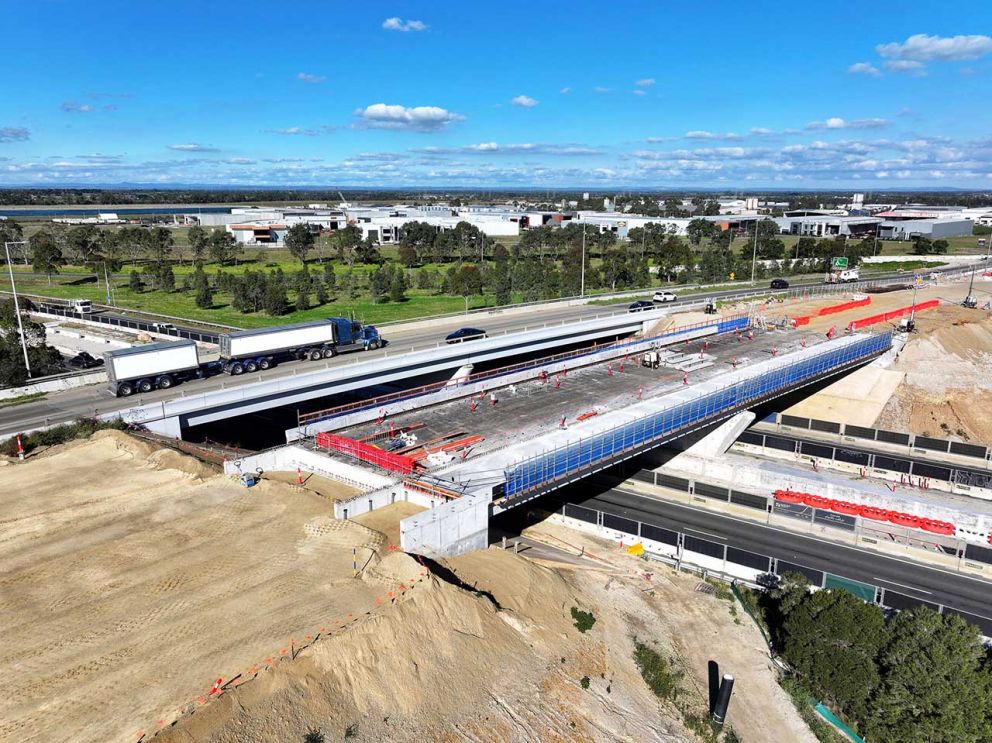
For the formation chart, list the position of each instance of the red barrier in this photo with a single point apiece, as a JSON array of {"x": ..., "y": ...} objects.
[
  {"x": 869, "y": 512},
  {"x": 892, "y": 314},
  {"x": 798, "y": 321},
  {"x": 835, "y": 308},
  {"x": 366, "y": 453}
]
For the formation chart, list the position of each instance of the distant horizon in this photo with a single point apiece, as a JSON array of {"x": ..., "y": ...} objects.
[{"x": 452, "y": 95}]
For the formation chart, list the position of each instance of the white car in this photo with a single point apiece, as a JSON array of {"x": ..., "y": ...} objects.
[{"x": 663, "y": 297}]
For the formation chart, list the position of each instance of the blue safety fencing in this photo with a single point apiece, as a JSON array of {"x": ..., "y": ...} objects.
[{"x": 543, "y": 469}]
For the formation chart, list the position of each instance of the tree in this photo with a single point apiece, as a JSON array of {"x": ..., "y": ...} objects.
[
  {"x": 940, "y": 247},
  {"x": 43, "y": 359},
  {"x": 320, "y": 291},
  {"x": 204, "y": 294},
  {"x": 159, "y": 244},
  {"x": 166, "y": 279},
  {"x": 380, "y": 282},
  {"x": 397, "y": 289},
  {"x": 697, "y": 229},
  {"x": 11, "y": 232},
  {"x": 134, "y": 282},
  {"x": 299, "y": 241},
  {"x": 503, "y": 282},
  {"x": 833, "y": 638},
  {"x": 937, "y": 684},
  {"x": 417, "y": 242},
  {"x": 275, "y": 297},
  {"x": 302, "y": 300},
  {"x": 223, "y": 246},
  {"x": 46, "y": 257},
  {"x": 199, "y": 240},
  {"x": 330, "y": 278}
]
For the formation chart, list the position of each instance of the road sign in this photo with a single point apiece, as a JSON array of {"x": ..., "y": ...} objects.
[{"x": 838, "y": 262}]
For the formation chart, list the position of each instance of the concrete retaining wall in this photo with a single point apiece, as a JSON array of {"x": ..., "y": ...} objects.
[
  {"x": 454, "y": 528},
  {"x": 55, "y": 385},
  {"x": 288, "y": 458}
]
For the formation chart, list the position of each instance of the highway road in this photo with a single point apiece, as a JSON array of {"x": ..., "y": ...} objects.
[
  {"x": 923, "y": 582},
  {"x": 68, "y": 405}
]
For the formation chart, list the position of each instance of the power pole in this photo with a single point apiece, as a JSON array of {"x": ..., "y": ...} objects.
[
  {"x": 582, "y": 289},
  {"x": 17, "y": 309},
  {"x": 754, "y": 251}
]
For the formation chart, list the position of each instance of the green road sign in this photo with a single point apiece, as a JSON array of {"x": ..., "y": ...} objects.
[
  {"x": 838, "y": 262},
  {"x": 864, "y": 591}
]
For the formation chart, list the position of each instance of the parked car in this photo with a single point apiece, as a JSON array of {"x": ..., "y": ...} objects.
[
  {"x": 465, "y": 334},
  {"x": 664, "y": 296},
  {"x": 83, "y": 360},
  {"x": 640, "y": 305},
  {"x": 163, "y": 327},
  {"x": 780, "y": 284}
]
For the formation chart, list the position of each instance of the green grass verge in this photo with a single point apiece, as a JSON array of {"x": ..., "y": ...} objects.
[
  {"x": 59, "y": 435},
  {"x": 21, "y": 399}
]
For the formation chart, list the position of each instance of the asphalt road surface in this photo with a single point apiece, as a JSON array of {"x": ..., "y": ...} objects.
[
  {"x": 60, "y": 407},
  {"x": 923, "y": 582}
]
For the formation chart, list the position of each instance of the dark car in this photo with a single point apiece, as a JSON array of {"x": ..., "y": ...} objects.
[
  {"x": 83, "y": 360},
  {"x": 640, "y": 305},
  {"x": 780, "y": 284},
  {"x": 465, "y": 334}
]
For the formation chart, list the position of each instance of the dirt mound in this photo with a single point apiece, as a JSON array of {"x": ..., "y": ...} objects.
[{"x": 449, "y": 663}]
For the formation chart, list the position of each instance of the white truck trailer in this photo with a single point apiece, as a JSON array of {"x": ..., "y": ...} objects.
[
  {"x": 251, "y": 350},
  {"x": 143, "y": 368}
]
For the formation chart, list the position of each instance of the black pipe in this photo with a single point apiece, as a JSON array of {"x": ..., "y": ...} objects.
[{"x": 723, "y": 700}]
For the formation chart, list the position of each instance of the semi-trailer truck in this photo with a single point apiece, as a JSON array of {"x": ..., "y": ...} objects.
[
  {"x": 143, "y": 368},
  {"x": 250, "y": 350}
]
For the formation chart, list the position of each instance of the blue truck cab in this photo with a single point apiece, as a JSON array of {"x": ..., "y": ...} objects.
[{"x": 349, "y": 335}]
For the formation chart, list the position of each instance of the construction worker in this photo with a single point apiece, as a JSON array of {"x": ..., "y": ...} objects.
[{"x": 492, "y": 398}]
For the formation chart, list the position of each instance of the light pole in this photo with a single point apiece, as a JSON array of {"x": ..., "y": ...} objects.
[
  {"x": 754, "y": 250},
  {"x": 17, "y": 309},
  {"x": 582, "y": 285}
]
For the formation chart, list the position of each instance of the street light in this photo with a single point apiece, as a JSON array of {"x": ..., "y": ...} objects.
[
  {"x": 754, "y": 251},
  {"x": 582, "y": 286},
  {"x": 17, "y": 309}
]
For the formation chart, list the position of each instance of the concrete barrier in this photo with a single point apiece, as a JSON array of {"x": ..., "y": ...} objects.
[{"x": 55, "y": 384}]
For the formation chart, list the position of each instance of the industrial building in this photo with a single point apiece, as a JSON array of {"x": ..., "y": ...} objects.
[
  {"x": 827, "y": 225},
  {"x": 929, "y": 228}
]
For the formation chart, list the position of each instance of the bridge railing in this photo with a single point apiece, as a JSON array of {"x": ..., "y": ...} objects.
[
  {"x": 559, "y": 464},
  {"x": 726, "y": 324}
]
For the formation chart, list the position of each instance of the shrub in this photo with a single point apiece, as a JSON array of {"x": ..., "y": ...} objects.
[{"x": 584, "y": 620}]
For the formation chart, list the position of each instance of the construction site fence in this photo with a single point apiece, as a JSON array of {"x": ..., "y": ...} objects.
[
  {"x": 546, "y": 468},
  {"x": 732, "y": 323},
  {"x": 909, "y": 440},
  {"x": 675, "y": 545},
  {"x": 366, "y": 452},
  {"x": 864, "y": 322}
]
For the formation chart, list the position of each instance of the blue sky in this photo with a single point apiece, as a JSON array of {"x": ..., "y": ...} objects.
[{"x": 548, "y": 95}]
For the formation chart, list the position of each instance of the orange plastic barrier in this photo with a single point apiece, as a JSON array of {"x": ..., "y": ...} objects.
[
  {"x": 868, "y": 512},
  {"x": 892, "y": 314},
  {"x": 798, "y": 321},
  {"x": 835, "y": 308}
]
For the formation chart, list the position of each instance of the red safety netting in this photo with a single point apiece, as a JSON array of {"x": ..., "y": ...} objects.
[
  {"x": 892, "y": 314},
  {"x": 366, "y": 453}
]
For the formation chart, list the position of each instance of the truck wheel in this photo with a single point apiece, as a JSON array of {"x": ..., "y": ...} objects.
[
  {"x": 145, "y": 385},
  {"x": 251, "y": 367},
  {"x": 264, "y": 364},
  {"x": 314, "y": 355},
  {"x": 330, "y": 353},
  {"x": 236, "y": 368},
  {"x": 165, "y": 382},
  {"x": 124, "y": 390},
  {"x": 373, "y": 345}
]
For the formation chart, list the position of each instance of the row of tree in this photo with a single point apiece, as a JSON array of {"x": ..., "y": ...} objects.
[
  {"x": 43, "y": 358},
  {"x": 920, "y": 677}
]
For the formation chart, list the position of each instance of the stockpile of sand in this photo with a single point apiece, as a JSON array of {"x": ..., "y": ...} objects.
[
  {"x": 947, "y": 390},
  {"x": 131, "y": 578}
]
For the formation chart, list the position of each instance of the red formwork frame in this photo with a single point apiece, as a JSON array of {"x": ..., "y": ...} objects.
[{"x": 366, "y": 453}]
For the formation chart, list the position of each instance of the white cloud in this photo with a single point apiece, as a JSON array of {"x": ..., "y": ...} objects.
[
  {"x": 638, "y": 92},
  {"x": 700, "y": 134},
  {"x": 565, "y": 90},
  {"x": 524, "y": 100},
  {"x": 14, "y": 134},
  {"x": 494, "y": 148},
  {"x": 600, "y": 89},
  {"x": 910, "y": 66},
  {"x": 863, "y": 68},
  {"x": 413, "y": 118},
  {"x": 193, "y": 147},
  {"x": 300, "y": 131},
  {"x": 836, "y": 122},
  {"x": 398, "y": 24},
  {"x": 647, "y": 82},
  {"x": 759, "y": 131},
  {"x": 308, "y": 78},
  {"x": 924, "y": 48},
  {"x": 74, "y": 107}
]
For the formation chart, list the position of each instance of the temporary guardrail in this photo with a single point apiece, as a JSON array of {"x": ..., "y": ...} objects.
[
  {"x": 366, "y": 453},
  {"x": 559, "y": 464}
]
